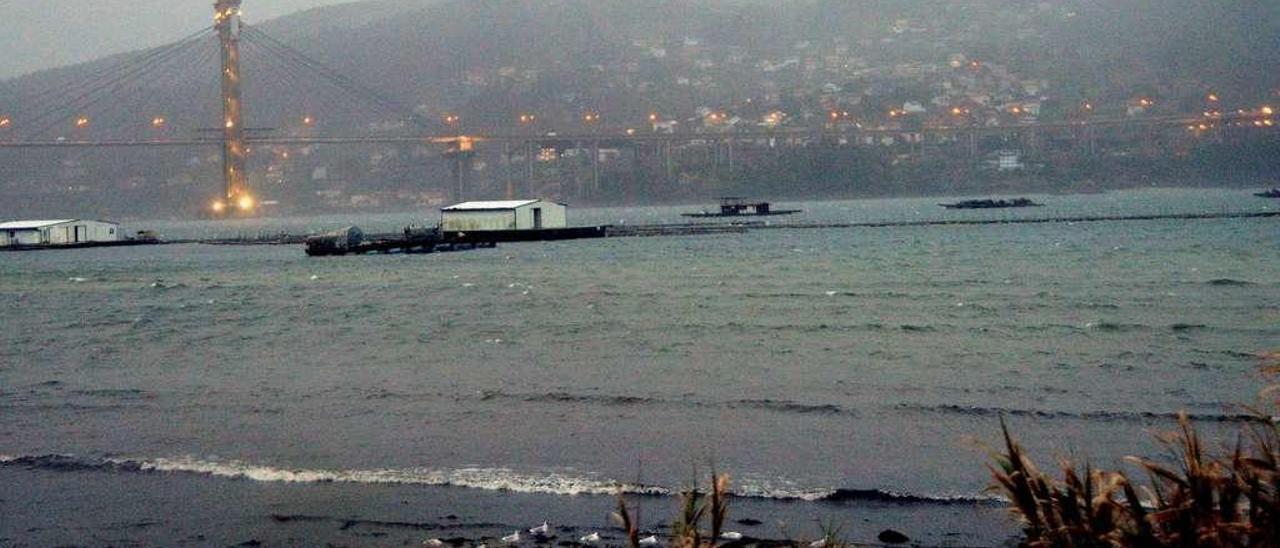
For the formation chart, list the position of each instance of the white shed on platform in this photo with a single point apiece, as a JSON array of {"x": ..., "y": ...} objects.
[
  {"x": 503, "y": 215},
  {"x": 57, "y": 232}
]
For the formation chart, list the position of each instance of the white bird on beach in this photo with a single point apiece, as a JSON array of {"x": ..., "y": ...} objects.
[
  {"x": 541, "y": 530},
  {"x": 590, "y": 539},
  {"x": 731, "y": 535},
  {"x": 818, "y": 543},
  {"x": 650, "y": 540},
  {"x": 513, "y": 537},
  {"x": 433, "y": 542}
]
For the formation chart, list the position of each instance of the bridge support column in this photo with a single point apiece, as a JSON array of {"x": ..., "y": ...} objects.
[{"x": 234, "y": 153}]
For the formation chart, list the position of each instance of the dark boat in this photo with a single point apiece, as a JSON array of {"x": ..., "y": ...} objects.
[
  {"x": 1273, "y": 193},
  {"x": 741, "y": 207},
  {"x": 991, "y": 204}
]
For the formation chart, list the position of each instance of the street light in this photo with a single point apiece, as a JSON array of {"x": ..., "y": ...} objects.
[
  {"x": 590, "y": 117},
  {"x": 5, "y": 122},
  {"x": 158, "y": 122},
  {"x": 526, "y": 119},
  {"x": 82, "y": 122},
  {"x": 308, "y": 121},
  {"x": 452, "y": 119}
]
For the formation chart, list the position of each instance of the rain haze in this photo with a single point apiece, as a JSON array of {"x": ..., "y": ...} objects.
[
  {"x": 37, "y": 35},
  {"x": 475, "y": 273}
]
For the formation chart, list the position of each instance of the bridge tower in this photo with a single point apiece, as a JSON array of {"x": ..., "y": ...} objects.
[{"x": 234, "y": 154}]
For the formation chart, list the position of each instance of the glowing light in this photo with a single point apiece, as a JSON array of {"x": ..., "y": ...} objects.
[
  {"x": 158, "y": 121},
  {"x": 591, "y": 117},
  {"x": 218, "y": 206},
  {"x": 452, "y": 119},
  {"x": 653, "y": 117},
  {"x": 82, "y": 122},
  {"x": 230, "y": 124},
  {"x": 1145, "y": 102},
  {"x": 1267, "y": 122},
  {"x": 245, "y": 202},
  {"x": 5, "y": 122},
  {"x": 1268, "y": 111},
  {"x": 308, "y": 121},
  {"x": 527, "y": 118},
  {"x": 631, "y": 131},
  {"x": 1088, "y": 106},
  {"x": 1213, "y": 97}
]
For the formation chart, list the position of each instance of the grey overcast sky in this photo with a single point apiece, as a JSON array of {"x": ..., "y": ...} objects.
[{"x": 41, "y": 34}]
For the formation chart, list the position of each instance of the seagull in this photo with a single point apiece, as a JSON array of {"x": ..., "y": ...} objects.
[
  {"x": 590, "y": 539},
  {"x": 649, "y": 540},
  {"x": 513, "y": 537},
  {"x": 433, "y": 542},
  {"x": 820, "y": 543},
  {"x": 731, "y": 535},
  {"x": 541, "y": 530}
]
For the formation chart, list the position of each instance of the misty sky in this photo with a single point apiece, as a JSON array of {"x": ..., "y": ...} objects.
[{"x": 40, "y": 34}]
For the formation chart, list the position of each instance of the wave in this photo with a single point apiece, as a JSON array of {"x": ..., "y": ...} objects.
[
  {"x": 486, "y": 479},
  {"x": 491, "y": 479},
  {"x": 781, "y": 406},
  {"x": 1228, "y": 282},
  {"x": 1103, "y": 415}
]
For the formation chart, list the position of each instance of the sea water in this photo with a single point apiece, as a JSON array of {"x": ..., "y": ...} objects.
[{"x": 196, "y": 394}]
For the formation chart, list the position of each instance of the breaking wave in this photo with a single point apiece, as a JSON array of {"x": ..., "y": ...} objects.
[
  {"x": 487, "y": 479},
  {"x": 1103, "y": 415}
]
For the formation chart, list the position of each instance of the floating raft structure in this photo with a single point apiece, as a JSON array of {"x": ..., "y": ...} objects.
[
  {"x": 741, "y": 207},
  {"x": 992, "y": 204},
  {"x": 1273, "y": 193},
  {"x": 352, "y": 241}
]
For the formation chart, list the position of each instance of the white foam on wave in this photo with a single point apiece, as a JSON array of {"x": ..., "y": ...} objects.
[
  {"x": 491, "y": 479},
  {"x": 778, "y": 488},
  {"x": 488, "y": 479}
]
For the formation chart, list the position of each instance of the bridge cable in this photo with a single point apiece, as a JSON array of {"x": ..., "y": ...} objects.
[
  {"x": 106, "y": 73},
  {"x": 98, "y": 94},
  {"x": 350, "y": 85}
]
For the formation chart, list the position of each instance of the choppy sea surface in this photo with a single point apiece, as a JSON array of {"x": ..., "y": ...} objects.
[{"x": 213, "y": 395}]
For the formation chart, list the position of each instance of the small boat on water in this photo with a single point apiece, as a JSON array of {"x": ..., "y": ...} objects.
[
  {"x": 1273, "y": 193},
  {"x": 741, "y": 207},
  {"x": 991, "y": 204}
]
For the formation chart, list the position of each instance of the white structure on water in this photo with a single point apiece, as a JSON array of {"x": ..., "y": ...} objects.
[
  {"x": 57, "y": 232},
  {"x": 503, "y": 215}
]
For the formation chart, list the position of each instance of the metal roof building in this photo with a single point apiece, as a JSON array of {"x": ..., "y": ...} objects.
[
  {"x": 57, "y": 232},
  {"x": 503, "y": 215}
]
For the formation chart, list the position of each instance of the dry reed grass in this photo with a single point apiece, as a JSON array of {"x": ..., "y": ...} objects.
[{"x": 1191, "y": 499}]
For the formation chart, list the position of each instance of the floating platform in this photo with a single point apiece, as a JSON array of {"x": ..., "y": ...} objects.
[
  {"x": 528, "y": 235},
  {"x": 740, "y": 207},
  {"x": 992, "y": 204},
  {"x": 1273, "y": 193},
  {"x": 81, "y": 245},
  {"x": 353, "y": 241}
]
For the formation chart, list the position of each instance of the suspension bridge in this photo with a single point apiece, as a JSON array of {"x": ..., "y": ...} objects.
[{"x": 170, "y": 96}]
